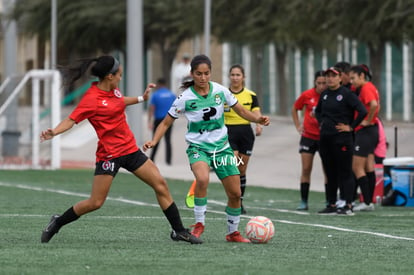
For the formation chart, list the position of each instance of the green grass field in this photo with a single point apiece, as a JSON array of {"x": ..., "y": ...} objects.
[{"x": 130, "y": 235}]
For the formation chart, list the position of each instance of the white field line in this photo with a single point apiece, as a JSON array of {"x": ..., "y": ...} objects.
[
  {"x": 83, "y": 195},
  {"x": 272, "y": 209}
]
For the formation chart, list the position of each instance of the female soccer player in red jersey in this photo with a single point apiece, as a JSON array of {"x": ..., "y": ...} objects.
[
  {"x": 309, "y": 131},
  {"x": 103, "y": 105},
  {"x": 366, "y": 136}
]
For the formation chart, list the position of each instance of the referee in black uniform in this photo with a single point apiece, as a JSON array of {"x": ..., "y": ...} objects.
[{"x": 336, "y": 116}]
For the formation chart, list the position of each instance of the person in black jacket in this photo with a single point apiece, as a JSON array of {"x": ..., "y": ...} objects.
[{"x": 338, "y": 112}]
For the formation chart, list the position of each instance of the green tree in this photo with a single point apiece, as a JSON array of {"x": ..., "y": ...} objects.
[
  {"x": 169, "y": 23},
  {"x": 84, "y": 26},
  {"x": 89, "y": 26},
  {"x": 374, "y": 23},
  {"x": 280, "y": 22}
]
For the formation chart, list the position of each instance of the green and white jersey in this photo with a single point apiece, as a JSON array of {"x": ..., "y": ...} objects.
[{"x": 205, "y": 116}]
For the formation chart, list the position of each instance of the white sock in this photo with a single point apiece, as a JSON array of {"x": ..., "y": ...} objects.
[
  {"x": 200, "y": 213},
  {"x": 232, "y": 223}
]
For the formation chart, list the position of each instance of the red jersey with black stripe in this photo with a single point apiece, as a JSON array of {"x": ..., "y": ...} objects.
[
  {"x": 106, "y": 112},
  {"x": 309, "y": 99},
  {"x": 368, "y": 93}
]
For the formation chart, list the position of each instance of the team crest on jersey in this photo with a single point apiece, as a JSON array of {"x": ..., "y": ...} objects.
[
  {"x": 117, "y": 93},
  {"x": 339, "y": 98},
  {"x": 217, "y": 99}
]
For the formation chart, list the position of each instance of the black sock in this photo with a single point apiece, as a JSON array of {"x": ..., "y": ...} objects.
[
  {"x": 371, "y": 183},
  {"x": 242, "y": 185},
  {"x": 173, "y": 217},
  {"x": 304, "y": 191},
  {"x": 67, "y": 217},
  {"x": 363, "y": 185}
]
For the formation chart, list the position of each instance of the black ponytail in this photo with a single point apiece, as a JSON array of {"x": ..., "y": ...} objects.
[
  {"x": 362, "y": 69},
  {"x": 104, "y": 65}
]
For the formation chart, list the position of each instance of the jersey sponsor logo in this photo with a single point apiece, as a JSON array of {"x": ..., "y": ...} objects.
[
  {"x": 339, "y": 98},
  {"x": 208, "y": 113},
  {"x": 117, "y": 93},
  {"x": 325, "y": 97},
  {"x": 357, "y": 148},
  {"x": 104, "y": 102}
]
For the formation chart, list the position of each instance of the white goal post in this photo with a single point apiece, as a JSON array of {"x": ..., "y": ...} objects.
[{"x": 36, "y": 76}]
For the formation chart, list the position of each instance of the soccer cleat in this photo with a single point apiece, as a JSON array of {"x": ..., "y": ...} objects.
[
  {"x": 302, "y": 206},
  {"x": 189, "y": 199},
  {"x": 329, "y": 210},
  {"x": 50, "y": 230},
  {"x": 236, "y": 237},
  {"x": 345, "y": 211},
  {"x": 198, "y": 229},
  {"x": 364, "y": 207},
  {"x": 185, "y": 236}
]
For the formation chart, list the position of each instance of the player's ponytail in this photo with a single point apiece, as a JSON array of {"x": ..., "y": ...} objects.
[
  {"x": 362, "y": 68},
  {"x": 104, "y": 65},
  {"x": 365, "y": 68}
]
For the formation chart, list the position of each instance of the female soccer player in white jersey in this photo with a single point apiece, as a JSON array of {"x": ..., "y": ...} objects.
[{"x": 202, "y": 102}]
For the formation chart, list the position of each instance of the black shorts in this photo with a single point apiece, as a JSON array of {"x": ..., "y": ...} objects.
[
  {"x": 366, "y": 141},
  {"x": 241, "y": 138},
  {"x": 308, "y": 145},
  {"x": 130, "y": 162}
]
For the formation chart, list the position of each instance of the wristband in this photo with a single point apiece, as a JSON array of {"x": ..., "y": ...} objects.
[{"x": 140, "y": 99}]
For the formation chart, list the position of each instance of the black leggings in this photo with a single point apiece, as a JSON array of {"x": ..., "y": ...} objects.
[
  {"x": 336, "y": 152},
  {"x": 167, "y": 138}
]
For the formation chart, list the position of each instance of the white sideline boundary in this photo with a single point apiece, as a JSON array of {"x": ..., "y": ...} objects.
[{"x": 83, "y": 195}]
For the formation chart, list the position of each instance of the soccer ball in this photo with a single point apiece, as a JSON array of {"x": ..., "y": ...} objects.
[{"x": 260, "y": 229}]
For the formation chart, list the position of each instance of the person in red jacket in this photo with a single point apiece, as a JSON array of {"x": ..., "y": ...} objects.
[
  {"x": 309, "y": 131},
  {"x": 103, "y": 105},
  {"x": 366, "y": 136}
]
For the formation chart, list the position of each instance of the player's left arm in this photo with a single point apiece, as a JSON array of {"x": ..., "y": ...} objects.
[
  {"x": 129, "y": 100},
  {"x": 250, "y": 116}
]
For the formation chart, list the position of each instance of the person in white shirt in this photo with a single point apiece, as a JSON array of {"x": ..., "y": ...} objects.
[{"x": 180, "y": 71}]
